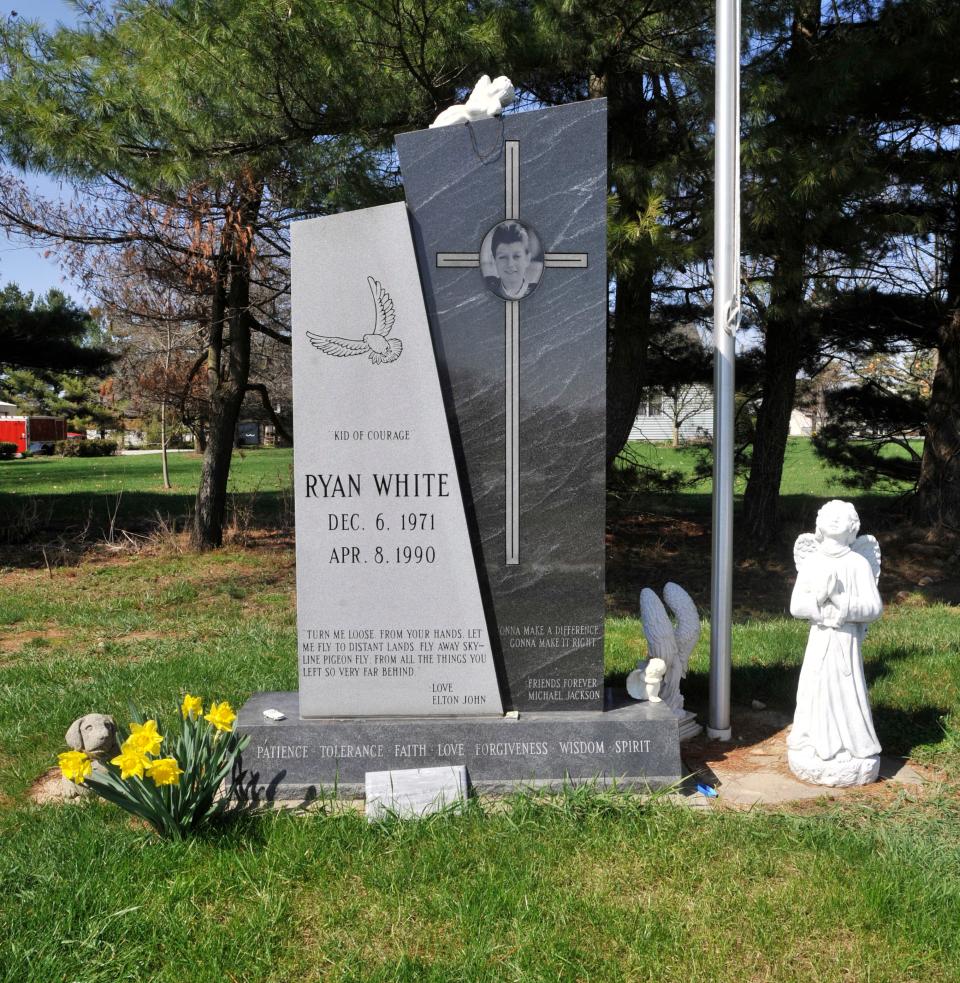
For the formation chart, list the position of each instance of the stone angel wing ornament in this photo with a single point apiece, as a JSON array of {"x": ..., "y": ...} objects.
[
  {"x": 658, "y": 628},
  {"x": 673, "y": 644},
  {"x": 669, "y": 647},
  {"x": 687, "y": 632},
  {"x": 661, "y": 643},
  {"x": 376, "y": 344},
  {"x": 805, "y": 547},
  {"x": 869, "y": 549}
]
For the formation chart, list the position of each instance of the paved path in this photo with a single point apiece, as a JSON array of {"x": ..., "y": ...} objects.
[{"x": 752, "y": 769}]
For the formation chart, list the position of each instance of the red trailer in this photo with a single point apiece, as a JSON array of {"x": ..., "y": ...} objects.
[{"x": 32, "y": 433}]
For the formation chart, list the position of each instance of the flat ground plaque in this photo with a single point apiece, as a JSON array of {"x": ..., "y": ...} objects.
[
  {"x": 509, "y": 222},
  {"x": 389, "y": 614}
]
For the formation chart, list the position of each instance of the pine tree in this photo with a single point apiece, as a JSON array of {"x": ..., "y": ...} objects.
[
  {"x": 910, "y": 96},
  {"x": 206, "y": 128},
  {"x": 919, "y": 101},
  {"x": 53, "y": 358},
  {"x": 811, "y": 175},
  {"x": 48, "y": 336},
  {"x": 651, "y": 62}
]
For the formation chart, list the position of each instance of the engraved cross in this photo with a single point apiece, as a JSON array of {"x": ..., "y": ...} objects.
[{"x": 511, "y": 209}]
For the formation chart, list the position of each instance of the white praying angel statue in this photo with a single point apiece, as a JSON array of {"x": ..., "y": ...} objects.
[
  {"x": 487, "y": 99},
  {"x": 832, "y": 741}
]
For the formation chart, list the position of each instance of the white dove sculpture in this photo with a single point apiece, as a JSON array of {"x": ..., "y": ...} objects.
[
  {"x": 487, "y": 99},
  {"x": 377, "y": 344}
]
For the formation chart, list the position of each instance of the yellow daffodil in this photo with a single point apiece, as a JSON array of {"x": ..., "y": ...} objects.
[
  {"x": 164, "y": 771},
  {"x": 75, "y": 766},
  {"x": 130, "y": 761},
  {"x": 192, "y": 707},
  {"x": 143, "y": 738},
  {"x": 221, "y": 715}
]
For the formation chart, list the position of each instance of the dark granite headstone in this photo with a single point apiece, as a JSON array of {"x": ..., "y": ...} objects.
[{"x": 509, "y": 223}]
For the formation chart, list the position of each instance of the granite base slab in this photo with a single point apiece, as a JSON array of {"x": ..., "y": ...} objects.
[{"x": 629, "y": 744}]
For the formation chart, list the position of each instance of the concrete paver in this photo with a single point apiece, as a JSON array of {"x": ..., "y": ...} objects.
[{"x": 752, "y": 769}]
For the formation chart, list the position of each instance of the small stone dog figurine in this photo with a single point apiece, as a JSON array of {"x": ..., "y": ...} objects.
[{"x": 95, "y": 733}]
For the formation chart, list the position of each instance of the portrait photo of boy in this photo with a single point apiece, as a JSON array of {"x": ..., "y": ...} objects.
[{"x": 511, "y": 260}]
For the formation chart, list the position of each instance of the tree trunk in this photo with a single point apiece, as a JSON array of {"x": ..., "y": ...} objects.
[
  {"x": 163, "y": 444},
  {"x": 632, "y": 129},
  {"x": 785, "y": 332},
  {"x": 760, "y": 501},
  {"x": 163, "y": 416},
  {"x": 212, "y": 494},
  {"x": 628, "y": 357},
  {"x": 938, "y": 491},
  {"x": 783, "y": 349},
  {"x": 230, "y": 343}
]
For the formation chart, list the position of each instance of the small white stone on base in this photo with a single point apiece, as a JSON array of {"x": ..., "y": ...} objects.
[
  {"x": 415, "y": 792},
  {"x": 839, "y": 772}
]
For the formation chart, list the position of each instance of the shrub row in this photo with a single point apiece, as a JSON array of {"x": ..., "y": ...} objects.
[
  {"x": 86, "y": 448},
  {"x": 7, "y": 450}
]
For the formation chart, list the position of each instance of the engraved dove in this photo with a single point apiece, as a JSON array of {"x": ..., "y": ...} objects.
[{"x": 377, "y": 345}]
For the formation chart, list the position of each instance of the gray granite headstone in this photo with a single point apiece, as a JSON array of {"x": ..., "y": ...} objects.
[
  {"x": 519, "y": 324},
  {"x": 389, "y": 614},
  {"x": 490, "y": 426},
  {"x": 631, "y": 744}
]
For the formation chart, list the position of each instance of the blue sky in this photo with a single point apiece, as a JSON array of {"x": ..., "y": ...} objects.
[{"x": 25, "y": 264}]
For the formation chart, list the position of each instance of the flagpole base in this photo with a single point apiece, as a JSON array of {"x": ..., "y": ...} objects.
[{"x": 723, "y": 734}]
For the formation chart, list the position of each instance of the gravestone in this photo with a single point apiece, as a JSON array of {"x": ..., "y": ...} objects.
[
  {"x": 449, "y": 477},
  {"x": 387, "y": 620},
  {"x": 525, "y": 377}
]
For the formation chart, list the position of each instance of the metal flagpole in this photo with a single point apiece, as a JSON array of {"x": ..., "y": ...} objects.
[{"x": 726, "y": 318}]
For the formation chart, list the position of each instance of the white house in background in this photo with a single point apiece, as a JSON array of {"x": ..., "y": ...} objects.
[
  {"x": 688, "y": 415},
  {"x": 8, "y": 409},
  {"x": 802, "y": 424},
  {"x": 691, "y": 412}
]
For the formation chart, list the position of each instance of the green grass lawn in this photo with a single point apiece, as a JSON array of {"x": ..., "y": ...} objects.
[
  {"x": 90, "y": 492},
  {"x": 805, "y": 477},
  {"x": 585, "y": 886},
  {"x": 597, "y": 888}
]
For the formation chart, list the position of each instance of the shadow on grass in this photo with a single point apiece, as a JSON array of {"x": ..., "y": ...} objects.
[
  {"x": 900, "y": 729},
  {"x": 77, "y": 521},
  {"x": 655, "y": 538}
]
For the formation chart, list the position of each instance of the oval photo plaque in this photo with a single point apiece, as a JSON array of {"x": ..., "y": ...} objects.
[{"x": 511, "y": 260}]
